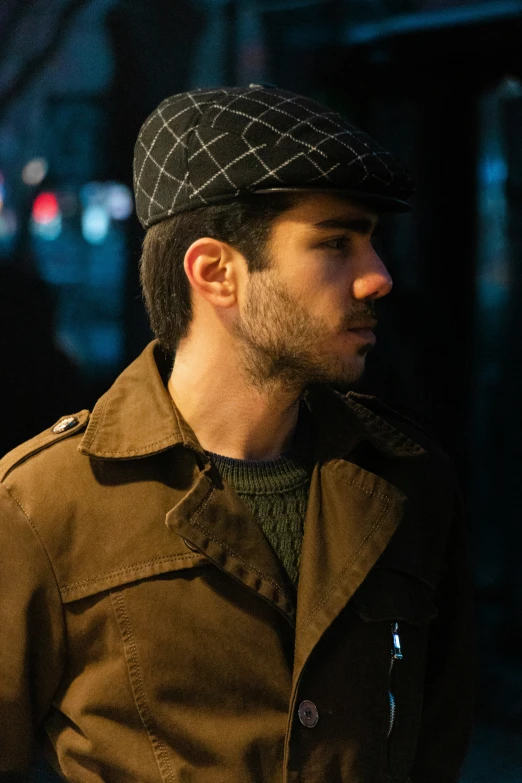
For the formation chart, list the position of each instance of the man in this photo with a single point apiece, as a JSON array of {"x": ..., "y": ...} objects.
[{"x": 229, "y": 571}]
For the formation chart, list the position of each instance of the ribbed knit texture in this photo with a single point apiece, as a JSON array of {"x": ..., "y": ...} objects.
[{"x": 276, "y": 492}]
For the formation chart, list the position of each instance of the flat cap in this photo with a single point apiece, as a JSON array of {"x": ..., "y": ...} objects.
[{"x": 212, "y": 145}]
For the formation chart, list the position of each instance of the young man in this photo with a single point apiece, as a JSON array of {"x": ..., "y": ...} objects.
[{"x": 228, "y": 571}]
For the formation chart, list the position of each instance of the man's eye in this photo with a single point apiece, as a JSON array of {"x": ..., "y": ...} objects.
[{"x": 339, "y": 243}]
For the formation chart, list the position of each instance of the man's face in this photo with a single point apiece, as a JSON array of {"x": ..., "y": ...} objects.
[{"x": 296, "y": 316}]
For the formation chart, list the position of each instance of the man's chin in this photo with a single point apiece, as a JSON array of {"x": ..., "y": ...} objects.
[
  {"x": 350, "y": 377},
  {"x": 345, "y": 379}
]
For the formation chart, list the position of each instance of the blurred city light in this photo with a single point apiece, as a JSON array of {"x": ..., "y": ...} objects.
[
  {"x": 46, "y": 217},
  {"x": 119, "y": 201},
  {"x": 35, "y": 171},
  {"x": 2, "y": 191},
  {"x": 93, "y": 193},
  {"x": 45, "y": 208},
  {"x": 8, "y": 224},
  {"x": 95, "y": 223},
  {"x": 48, "y": 231},
  {"x": 492, "y": 170},
  {"x": 116, "y": 197}
]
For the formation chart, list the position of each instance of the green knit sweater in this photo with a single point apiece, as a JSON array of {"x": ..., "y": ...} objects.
[{"x": 276, "y": 492}]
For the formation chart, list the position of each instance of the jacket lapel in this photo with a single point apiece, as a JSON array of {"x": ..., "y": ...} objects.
[
  {"x": 352, "y": 512},
  {"x": 352, "y": 515},
  {"x": 214, "y": 520}
]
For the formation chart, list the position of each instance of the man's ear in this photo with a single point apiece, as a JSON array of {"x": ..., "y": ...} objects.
[{"x": 212, "y": 269}]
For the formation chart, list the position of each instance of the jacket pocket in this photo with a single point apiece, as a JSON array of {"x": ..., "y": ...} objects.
[{"x": 402, "y": 605}]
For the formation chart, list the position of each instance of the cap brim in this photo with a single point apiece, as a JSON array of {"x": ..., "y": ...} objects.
[{"x": 381, "y": 203}]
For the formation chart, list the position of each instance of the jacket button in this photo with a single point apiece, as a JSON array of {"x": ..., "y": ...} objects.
[
  {"x": 308, "y": 714},
  {"x": 65, "y": 424}
]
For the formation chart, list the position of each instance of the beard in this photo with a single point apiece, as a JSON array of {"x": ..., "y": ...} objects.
[{"x": 283, "y": 347}]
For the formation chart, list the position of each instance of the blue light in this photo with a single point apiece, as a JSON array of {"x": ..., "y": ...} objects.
[
  {"x": 105, "y": 343},
  {"x": 492, "y": 170},
  {"x": 119, "y": 201},
  {"x": 411, "y": 23},
  {"x": 95, "y": 224},
  {"x": 8, "y": 225},
  {"x": 92, "y": 193},
  {"x": 48, "y": 231}
]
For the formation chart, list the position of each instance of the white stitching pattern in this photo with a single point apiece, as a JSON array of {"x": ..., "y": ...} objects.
[{"x": 323, "y": 134}]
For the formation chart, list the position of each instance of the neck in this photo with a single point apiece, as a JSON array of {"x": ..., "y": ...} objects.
[{"x": 228, "y": 415}]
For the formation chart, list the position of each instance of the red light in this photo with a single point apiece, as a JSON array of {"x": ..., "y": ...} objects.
[{"x": 45, "y": 208}]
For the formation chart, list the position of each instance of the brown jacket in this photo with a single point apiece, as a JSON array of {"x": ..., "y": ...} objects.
[{"x": 149, "y": 632}]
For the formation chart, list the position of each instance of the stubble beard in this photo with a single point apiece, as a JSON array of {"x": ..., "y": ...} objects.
[{"x": 282, "y": 347}]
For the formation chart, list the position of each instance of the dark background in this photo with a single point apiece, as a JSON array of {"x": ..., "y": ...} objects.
[{"x": 438, "y": 82}]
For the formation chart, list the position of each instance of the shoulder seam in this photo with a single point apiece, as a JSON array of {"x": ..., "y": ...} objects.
[{"x": 37, "y": 535}]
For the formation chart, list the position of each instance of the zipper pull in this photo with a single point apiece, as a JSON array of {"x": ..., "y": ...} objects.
[{"x": 396, "y": 653}]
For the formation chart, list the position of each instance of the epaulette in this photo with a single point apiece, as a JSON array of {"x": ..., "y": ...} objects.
[
  {"x": 380, "y": 408},
  {"x": 64, "y": 428}
]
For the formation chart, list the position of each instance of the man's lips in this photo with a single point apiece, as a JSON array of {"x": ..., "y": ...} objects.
[{"x": 364, "y": 332}]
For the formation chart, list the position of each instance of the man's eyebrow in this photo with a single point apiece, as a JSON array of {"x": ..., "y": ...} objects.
[{"x": 357, "y": 225}]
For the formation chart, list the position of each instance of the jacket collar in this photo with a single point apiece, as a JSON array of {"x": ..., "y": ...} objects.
[{"x": 137, "y": 418}]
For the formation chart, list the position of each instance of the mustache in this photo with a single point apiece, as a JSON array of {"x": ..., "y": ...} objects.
[{"x": 359, "y": 317}]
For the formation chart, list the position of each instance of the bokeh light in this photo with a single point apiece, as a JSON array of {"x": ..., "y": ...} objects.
[
  {"x": 35, "y": 171},
  {"x": 92, "y": 193},
  {"x": 95, "y": 223},
  {"x": 46, "y": 217},
  {"x": 8, "y": 224},
  {"x": 45, "y": 208},
  {"x": 119, "y": 201}
]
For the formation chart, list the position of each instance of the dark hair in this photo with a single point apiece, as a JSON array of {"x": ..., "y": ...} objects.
[{"x": 244, "y": 224}]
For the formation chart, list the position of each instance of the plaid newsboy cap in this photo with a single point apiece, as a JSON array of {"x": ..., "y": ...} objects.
[{"x": 212, "y": 145}]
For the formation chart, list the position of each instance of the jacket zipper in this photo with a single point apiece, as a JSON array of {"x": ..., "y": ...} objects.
[{"x": 396, "y": 655}]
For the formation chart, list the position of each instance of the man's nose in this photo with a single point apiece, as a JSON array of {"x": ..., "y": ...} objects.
[{"x": 372, "y": 280}]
